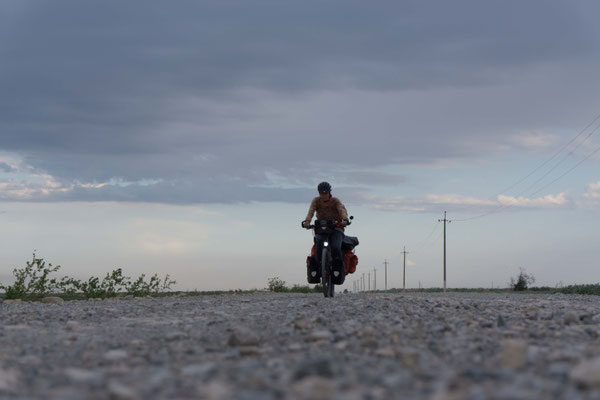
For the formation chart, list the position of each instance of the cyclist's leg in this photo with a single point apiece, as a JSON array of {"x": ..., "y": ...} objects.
[
  {"x": 335, "y": 241},
  {"x": 319, "y": 239}
]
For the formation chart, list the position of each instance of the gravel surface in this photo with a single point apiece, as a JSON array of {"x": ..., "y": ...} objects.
[{"x": 297, "y": 346}]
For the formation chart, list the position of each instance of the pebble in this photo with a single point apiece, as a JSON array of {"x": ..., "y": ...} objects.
[
  {"x": 303, "y": 324},
  {"x": 249, "y": 350},
  {"x": 500, "y": 321},
  {"x": 52, "y": 300},
  {"x": 587, "y": 373},
  {"x": 72, "y": 325},
  {"x": 9, "y": 380},
  {"x": 319, "y": 335},
  {"x": 78, "y": 375},
  {"x": 514, "y": 354},
  {"x": 115, "y": 355},
  {"x": 242, "y": 336},
  {"x": 313, "y": 388},
  {"x": 119, "y": 391},
  {"x": 571, "y": 318}
]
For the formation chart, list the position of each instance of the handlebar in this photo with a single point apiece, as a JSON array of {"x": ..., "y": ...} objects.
[{"x": 337, "y": 223}]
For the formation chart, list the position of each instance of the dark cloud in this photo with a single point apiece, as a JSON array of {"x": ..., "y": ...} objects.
[
  {"x": 228, "y": 92},
  {"x": 4, "y": 167}
]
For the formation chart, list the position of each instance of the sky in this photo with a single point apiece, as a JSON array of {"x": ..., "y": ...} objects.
[{"x": 188, "y": 139}]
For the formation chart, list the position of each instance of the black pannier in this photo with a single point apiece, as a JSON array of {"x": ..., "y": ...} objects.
[
  {"x": 313, "y": 272},
  {"x": 349, "y": 242}
]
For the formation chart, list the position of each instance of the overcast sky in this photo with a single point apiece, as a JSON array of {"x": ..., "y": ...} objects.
[{"x": 236, "y": 110}]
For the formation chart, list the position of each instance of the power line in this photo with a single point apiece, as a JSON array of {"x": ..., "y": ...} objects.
[
  {"x": 560, "y": 162},
  {"x": 567, "y": 171},
  {"x": 553, "y": 156},
  {"x": 506, "y": 206}
]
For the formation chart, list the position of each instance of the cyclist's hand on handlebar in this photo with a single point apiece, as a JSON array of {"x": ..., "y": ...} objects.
[
  {"x": 306, "y": 224},
  {"x": 345, "y": 222}
]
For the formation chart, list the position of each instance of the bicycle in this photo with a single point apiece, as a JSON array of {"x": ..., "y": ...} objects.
[{"x": 325, "y": 227}]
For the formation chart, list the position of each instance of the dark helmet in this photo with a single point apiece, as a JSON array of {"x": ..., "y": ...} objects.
[{"x": 324, "y": 187}]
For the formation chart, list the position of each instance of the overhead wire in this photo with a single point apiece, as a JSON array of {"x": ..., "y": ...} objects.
[
  {"x": 553, "y": 156},
  {"x": 505, "y": 206}
]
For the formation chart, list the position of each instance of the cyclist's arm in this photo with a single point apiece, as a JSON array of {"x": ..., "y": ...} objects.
[
  {"x": 342, "y": 210},
  {"x": 311, "y": 210}
]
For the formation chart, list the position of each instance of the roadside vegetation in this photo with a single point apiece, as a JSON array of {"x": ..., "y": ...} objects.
[
  {"x": 34, "y": 282},
  {"x": 278, "y": 285}
]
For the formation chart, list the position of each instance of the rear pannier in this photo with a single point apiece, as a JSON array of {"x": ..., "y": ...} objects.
[{"x": 350, "y": 261}]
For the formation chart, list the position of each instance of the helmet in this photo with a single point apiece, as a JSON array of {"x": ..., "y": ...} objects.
[{"x": 324, "y": 187}]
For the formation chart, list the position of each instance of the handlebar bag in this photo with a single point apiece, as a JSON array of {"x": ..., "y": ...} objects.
[{"x": 324, "y": 226}]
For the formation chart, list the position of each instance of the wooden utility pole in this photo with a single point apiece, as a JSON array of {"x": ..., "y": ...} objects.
[
  {"x": 404, "y": 270},
  {"x": 385, "y": 263},
  {"x": 363, "y": 282},
  {"x": 374, "y": 279},
  {"x": 369, "y": 280},
  {"x": 445, "y": 220}
]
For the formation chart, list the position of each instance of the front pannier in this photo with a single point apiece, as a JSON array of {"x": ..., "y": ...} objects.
[{"x": 313, "y": 272}]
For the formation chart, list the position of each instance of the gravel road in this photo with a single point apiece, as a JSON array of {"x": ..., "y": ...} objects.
[{"x": 303, "y": 346}]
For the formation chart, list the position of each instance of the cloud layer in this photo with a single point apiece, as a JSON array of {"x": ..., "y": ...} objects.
[{"x": 226, "y": 102}]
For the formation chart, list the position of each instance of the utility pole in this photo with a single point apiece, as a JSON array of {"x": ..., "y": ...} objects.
[
  {"x": 363, "y": 282},
  {"x": 369, "y": 280},
  {"x": 445, "y": 220},
  {"x": 404, "y": 270},
  {"x": 385, "y": 263},
  {"x": 374, "y": 279}
]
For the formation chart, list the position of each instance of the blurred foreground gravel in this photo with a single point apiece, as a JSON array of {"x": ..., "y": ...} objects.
[{"x": 296, "y": 346}]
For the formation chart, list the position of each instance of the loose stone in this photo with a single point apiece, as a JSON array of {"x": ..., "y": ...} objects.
[
  {"x": 52, "y": 300},
  {"x": 242, "y": 336},
  {"x": 587, "y": 373},
  {"x": 514, "y": 353},
  {"x": 319, "y": 335}
]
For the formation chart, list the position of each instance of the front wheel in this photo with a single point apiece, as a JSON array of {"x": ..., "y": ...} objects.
[{"x": 326, "y": 275}]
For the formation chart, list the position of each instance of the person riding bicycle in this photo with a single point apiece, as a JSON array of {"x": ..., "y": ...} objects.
[{"x": 328, "y": 207}]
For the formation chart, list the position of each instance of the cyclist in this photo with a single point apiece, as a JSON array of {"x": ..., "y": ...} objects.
[{"x": 328, "y": 207}]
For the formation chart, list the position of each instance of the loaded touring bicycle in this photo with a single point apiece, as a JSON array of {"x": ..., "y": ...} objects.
[{"x": 322, "y": 271}]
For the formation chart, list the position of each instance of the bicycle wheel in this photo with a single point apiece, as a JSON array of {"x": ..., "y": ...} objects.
[{"x": 326, "y": 277}]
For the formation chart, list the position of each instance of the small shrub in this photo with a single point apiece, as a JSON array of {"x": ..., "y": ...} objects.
[
  {"x": 277, "y": 285},
  {"x": 300, "y": 289},
  {"x": 32, "y": 282},
  {"x": 522, "y": 282}
]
